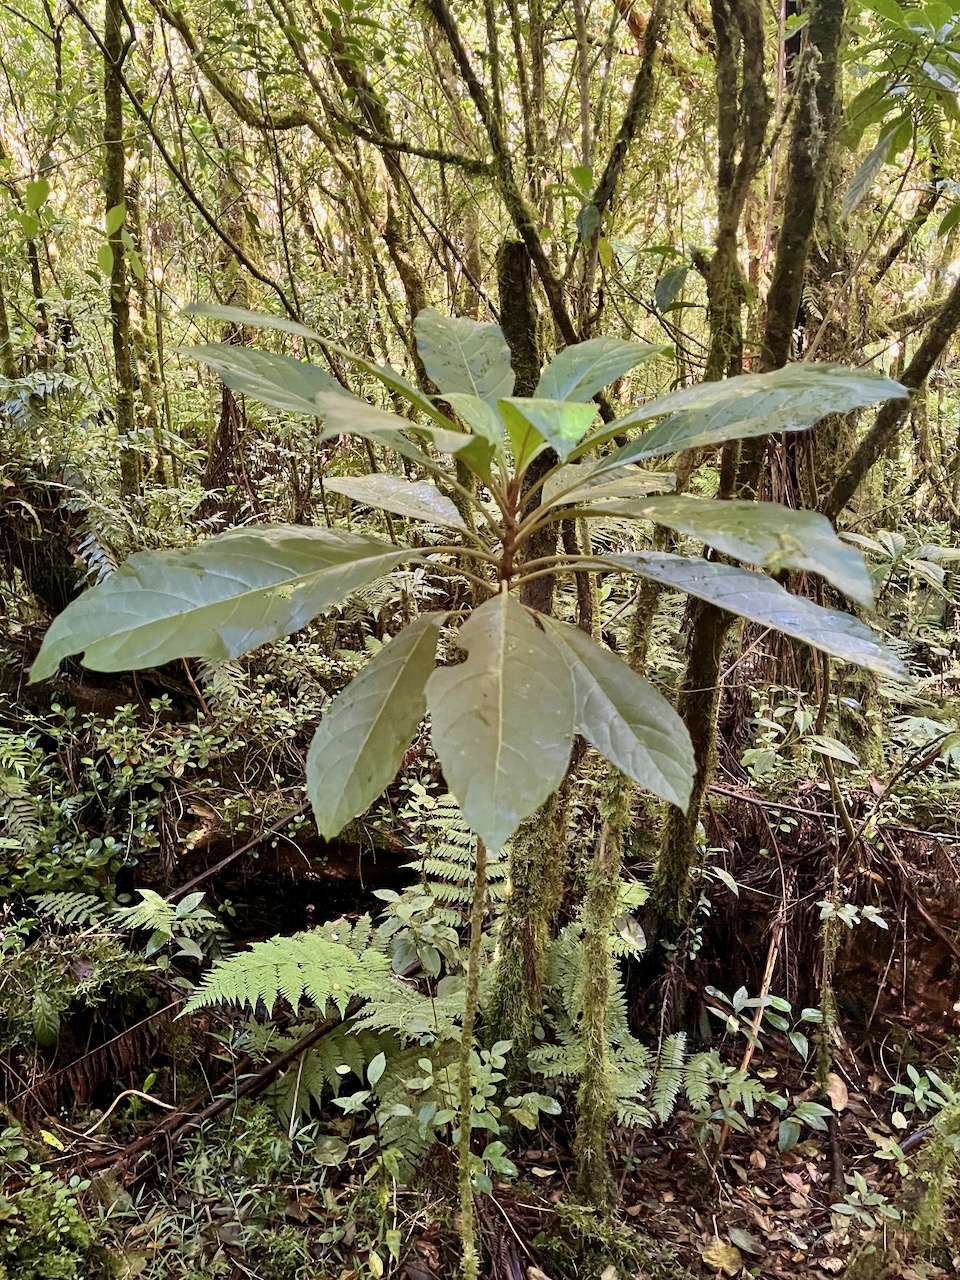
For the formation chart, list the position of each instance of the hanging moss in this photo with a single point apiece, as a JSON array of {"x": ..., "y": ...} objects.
[
  {"x": 538, "y": 858},
  {"x": 595, "y": 1099}
]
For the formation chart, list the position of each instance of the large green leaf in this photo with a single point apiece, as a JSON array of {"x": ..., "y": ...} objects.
[
  {"x": 359, "y": 746},
  {"x": 254, "y": 319},
  {"x": 624, "y": 717},
  {"x": 296, "y": 387},
  {"x": 215, "y": 600},
  {"x": 462, "y": 355},
  {"x": 578, "y": 482},
  {"x": 754, "y": 596},
  {"x": 418, "y": 499},
  {"x": 346, "y": 415},
  {"x": 763, "y": 533},
  {"x": 755, "y": 404},
  {"x": 580, "y": 371},
  {"x": 279, "y": 381},
  {"x": 502, "y": 721},
  {"x": 382, "y": 372},
  {"x": 529, "y": 422}
]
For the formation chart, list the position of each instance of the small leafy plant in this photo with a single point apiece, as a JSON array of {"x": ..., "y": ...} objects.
[{"x": 504, "y": 719}]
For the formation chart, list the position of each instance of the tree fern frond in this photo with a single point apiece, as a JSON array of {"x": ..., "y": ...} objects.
[{"x": 412, "y": 1014}]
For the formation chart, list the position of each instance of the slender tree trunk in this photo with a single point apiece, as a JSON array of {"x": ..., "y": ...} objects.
[{"x": 114, "y": 185}]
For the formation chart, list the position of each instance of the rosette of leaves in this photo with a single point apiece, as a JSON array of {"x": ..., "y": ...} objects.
[{"x": 503, "y": 719}]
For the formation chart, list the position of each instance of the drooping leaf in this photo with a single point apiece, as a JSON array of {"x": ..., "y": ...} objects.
[
  {"x": 36, "y": 195},
  {"x": 216, "y": 600},
  {"x": 588, "y": 221},
  {"x": 253, "y": 319},
  {"x": 754, "y": 596},
  {"x": 104, "y": 259},
  {"x": 949, "y": 221},
  {"x": 888, "y": 9},
  {"x": 580, "y": 371},
  {"x": 626, "y": 719},
  {"x": 463, "y": 355},
  {"x": 502, "y": 721},
  {"x": 359, "y": 746},
  {"x": 297, "y": 387},
  {"x": 827, "y": 746},
  {"x": 382, "y": 372},
  {"x": 46, "y": 1020},
  {"x": 346, "y": 415},
  {"x": 763, "y": 533},
  {"x": 280, "y": 381},
  {"x": 114, "y": 220},
  {"x": 561, "y": 423},
  {"x": 418, "y": 499}
]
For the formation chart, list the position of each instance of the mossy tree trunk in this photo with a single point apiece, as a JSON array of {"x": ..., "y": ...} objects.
[{"x": 115, "y": 45}]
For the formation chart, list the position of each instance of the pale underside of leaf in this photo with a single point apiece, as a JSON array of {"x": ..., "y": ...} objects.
[
  {"x": 573, "y": 484},
  {"x": 359, "y": 746},
  {"x": 382, "y": 372},
  {"x": 418, "y": 499},
  {"x": 794, "y": 398},
  {"x": 763, "y": 533},
  {"x": 216, "y": 600},
  {"x": 626, "y": 719},
  {"x": 276, "y": 380},
  {"x": 347, "y": 415},
  {"x": 502, "y": 721},
  {"x": 760, "y": 599}
]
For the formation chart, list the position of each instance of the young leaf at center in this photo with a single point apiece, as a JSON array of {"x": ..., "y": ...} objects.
[{"x": 562, "y": 423}]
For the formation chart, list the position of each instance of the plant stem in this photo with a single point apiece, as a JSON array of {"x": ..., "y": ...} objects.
[{"x": 470, "y": 1262}]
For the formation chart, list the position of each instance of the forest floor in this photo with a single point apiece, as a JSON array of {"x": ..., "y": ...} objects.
[{"x": 687, "y": 1203}]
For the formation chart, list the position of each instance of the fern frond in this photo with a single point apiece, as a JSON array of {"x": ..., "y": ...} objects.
[
  {"x": 357, "y": 934},
  {"x": 153, "y": 912},
  {"x": 98, "y": 559},
  {"x": 703, "y": 1071},
  {"x": 305, "y": 965},
  {"x": 224, "y": 683},
  {"x": 70, "y": 910},
  {"x": 411, "y": 1014},
  {"x": 19, "y": 812},
  {"x": 668, "y": 1080}
]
